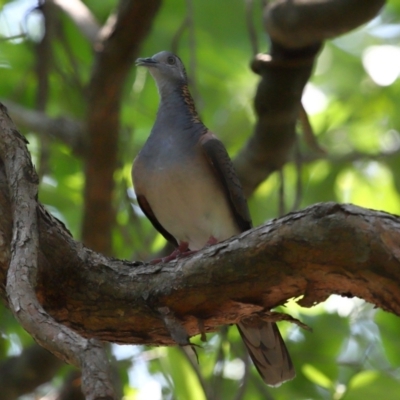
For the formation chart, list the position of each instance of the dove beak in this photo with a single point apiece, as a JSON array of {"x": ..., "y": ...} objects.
[{"x": 145, "y": 62}]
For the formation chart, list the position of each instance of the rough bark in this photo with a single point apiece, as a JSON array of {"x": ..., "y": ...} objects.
[
  {"x": 22, "y": 182},
  {"x": 301, "y": 23},
  {"x": 324, "y": 249}
]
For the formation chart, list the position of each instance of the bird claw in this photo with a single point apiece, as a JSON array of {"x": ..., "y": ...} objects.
[
  {"x": 181, "y": 252},
  {"x": 211, "y": 241}
]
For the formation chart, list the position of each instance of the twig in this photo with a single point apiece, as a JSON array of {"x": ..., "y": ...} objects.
[
  {"x": 81, "y": 16},
  {"x": 220, "y": 361},
  {"x": 308, "y": 132},
  {"x": 19, "y": 36},
  {"x": 262, "y": 388},
  {"x": 75, "y": 77},
  {"x": 196, "y": 369},
  {"x": 178, "y": 34},
  {"x": 246, "y": 376}
]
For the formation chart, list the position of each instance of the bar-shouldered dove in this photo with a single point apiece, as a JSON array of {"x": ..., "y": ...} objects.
[{"x": 186, "y": 185}]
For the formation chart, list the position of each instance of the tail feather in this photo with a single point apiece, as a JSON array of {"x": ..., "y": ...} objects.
[{"x": 267, "y": 350}]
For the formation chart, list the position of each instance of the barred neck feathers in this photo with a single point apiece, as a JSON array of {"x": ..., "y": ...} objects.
[
  {"x": 176, "y": 101},
  {"x": 188, "y": 99}
]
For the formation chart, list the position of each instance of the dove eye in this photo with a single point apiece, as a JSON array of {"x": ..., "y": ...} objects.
[{"x": 171, "y": 60}]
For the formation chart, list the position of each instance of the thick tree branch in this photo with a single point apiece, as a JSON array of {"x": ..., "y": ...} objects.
[
  {"x": 301, "y": 23},
  {"x": 324, "y": 249},
  {"x": 22, "y": 273},
  {"x": 113, "y": 61}
]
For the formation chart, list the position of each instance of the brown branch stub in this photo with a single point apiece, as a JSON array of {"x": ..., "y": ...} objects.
[
  {"x": 301, "y": 23},
  {"x": 22, "y": 273}
]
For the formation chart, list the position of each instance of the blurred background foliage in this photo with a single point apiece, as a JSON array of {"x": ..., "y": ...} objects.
[{"x": 353, "y": 101}]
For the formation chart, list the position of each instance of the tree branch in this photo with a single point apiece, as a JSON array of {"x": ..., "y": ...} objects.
[
  {"x": 296, "y": 29},
  {"x": 22, "y": 274},
  {"x": 324, "y": 249},
  {"x": 348, "y": 251},
  {"x": 82, "y": 17},
  {"x": 67, "y": 130},
  {"x": 277, "y": 105},
  {"x": 301, "y": 23}
]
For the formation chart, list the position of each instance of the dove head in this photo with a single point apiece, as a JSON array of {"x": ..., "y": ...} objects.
[{"x": 166, "y": 68}]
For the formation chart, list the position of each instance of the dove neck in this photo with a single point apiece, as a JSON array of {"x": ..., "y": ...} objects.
[{"x": 177, "y": 102}]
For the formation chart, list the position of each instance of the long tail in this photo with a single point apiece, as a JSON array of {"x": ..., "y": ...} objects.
[{"x": 268, "y": 351}]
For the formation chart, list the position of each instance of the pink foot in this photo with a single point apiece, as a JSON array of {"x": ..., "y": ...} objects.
[
  {"x": 211, "y": 241},
  {"x": 180, "y": 252}
]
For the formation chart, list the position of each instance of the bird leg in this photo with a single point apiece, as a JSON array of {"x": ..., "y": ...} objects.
[
  {"x": 211, "y": 241},
  {"x": 183, "y": 251}
]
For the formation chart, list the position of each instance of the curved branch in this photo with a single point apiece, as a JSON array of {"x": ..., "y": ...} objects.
[
  {"x": 301, "y": 23},
  {"x": 22, "y": 274},
  {"x": 325, "y": 249}
]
